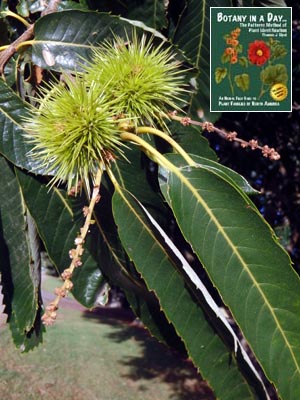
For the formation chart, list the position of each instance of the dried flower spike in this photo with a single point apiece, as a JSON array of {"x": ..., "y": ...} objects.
[
  {"x": 77, "y": 262},
  {"x": 75, "y": 255},
  {"x": 51, "y": 307},
  {"x": 231, "y": 136},
  {"x": 185, "y": 121},
  {"x": 67, "y": 274},
  {"x": 85, "y": 211},
  {"x": 79, "y": 240},
  {"x": 253, "y": 144},
  {"x": 61, "y": 292},
  {"x": 49, "y": 318},
  {"x": 68, "y": 284}
]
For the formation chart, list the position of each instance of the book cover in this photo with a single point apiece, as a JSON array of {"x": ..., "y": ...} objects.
[{"x": 250, "y": 64}]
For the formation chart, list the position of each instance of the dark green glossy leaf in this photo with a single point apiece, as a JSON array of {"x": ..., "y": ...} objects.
[
  {"x": 119, "y": 271},
  {"x": 27, "y": 7},
  {"x": 245, "y": 3},
  {"x": 23, "y": 8},
  {"x": 58, "y": 220},
  {"x": 245, "y": 262},
  {"x": 20, "y": 277},
  {"x": 191, "y": 139},
  {"x": 151, "y": 12},
  {"x": 226, "y": 173},
  {"x": 199, "y": 102},
  {"x": 192, "y": 36},
  {"x": 73, "y": 5},
  {"x": 139, "y": 175},
  {"x": 154, "y": 319},
  {"x": 160, "y": 274},
  {"x": 12, "y": 143},
  {"x": 64, "y": 40}
]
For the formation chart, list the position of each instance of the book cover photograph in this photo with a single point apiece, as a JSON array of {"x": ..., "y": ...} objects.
[{"x": 250, "y": 59}]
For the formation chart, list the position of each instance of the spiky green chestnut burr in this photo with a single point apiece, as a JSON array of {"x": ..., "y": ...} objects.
[
  {"x": 144, "y": 81},
  {"x": 72, "y": 130}
]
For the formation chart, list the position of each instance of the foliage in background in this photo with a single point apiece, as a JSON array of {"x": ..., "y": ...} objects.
[{"x": 150, "y": 221}]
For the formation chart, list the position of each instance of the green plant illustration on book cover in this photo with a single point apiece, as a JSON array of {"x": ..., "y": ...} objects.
[{"x": 251, "y": 68}]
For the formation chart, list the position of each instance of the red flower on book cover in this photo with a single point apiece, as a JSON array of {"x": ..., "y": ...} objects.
[{"x": 259, "y": 52}]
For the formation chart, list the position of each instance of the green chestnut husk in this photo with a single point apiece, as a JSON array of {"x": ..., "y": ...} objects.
[
  {"x": 72, "y": 130},
  {"x": 77, "y": 123},
  {"x": 145, "y": 81}
]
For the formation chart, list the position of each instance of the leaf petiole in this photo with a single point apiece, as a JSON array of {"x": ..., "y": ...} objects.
[
  {"x": 154, "y": 154},
  {"x": 168, "y": 139}
]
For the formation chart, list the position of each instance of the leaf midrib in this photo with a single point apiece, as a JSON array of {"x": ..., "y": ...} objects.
[
  {"x": 64, "y": 201},
  {"x": 219, "y": 227},
  {"x": 61, "y": 43},
  {"x": 8, "y": 116}
]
